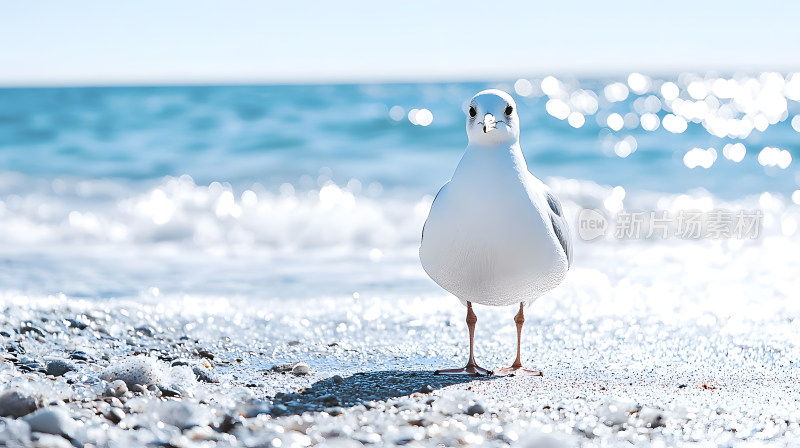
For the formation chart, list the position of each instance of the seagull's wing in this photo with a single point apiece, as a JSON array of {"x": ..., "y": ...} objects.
[
  {"x": 560, "y": 225},
  {"x": 432, "y": 205}
]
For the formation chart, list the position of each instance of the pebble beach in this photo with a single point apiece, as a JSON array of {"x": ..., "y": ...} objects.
[{"x": 350, "y": 372}]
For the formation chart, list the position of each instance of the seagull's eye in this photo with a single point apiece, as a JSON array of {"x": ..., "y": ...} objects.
[
  {"x": 509, "y": 110},
  {"x": 472, "y": 112}
]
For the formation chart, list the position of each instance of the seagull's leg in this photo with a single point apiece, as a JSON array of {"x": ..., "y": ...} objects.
[
  {"x": 472, "y": 367},
  {"x": 516, "y": 368}
]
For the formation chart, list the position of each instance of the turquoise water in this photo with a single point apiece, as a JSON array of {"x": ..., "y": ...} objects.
[{"x": 277, "y": 134}]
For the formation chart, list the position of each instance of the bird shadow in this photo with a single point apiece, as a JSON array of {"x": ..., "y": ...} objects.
[{"x": 365, "y": 388}]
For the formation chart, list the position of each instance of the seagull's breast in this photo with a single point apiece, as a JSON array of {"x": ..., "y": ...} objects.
[{"x": 489, "y": 239}]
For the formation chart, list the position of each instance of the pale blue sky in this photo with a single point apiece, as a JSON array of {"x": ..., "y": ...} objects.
[{"x": 93, "y": 42}]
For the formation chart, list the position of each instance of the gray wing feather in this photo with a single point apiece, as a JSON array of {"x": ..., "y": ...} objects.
[
  {"x": 422, "y": 237},
  {"x": 560, "y": 226}
]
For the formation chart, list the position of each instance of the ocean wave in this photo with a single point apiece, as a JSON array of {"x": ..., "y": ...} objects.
[
  {"x": 66, "y": 211},
  {"x": 121, "y": 238}
]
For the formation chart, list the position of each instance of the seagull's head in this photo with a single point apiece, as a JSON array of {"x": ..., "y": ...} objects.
[{"x": 492, "y": 118}]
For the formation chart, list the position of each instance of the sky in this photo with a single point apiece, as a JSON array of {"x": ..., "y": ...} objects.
[{"x": 100, "y": 42}]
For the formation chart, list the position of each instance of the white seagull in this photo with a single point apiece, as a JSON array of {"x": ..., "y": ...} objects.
[{"x": 495, "y": 235}]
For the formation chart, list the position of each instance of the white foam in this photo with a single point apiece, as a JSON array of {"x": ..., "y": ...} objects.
[
  {"x": 179, "y": 211},
  {"x": 335, "y": 242}
]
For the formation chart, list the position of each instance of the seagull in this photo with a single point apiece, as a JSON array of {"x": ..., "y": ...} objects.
[{"x": 495, "y": 235}]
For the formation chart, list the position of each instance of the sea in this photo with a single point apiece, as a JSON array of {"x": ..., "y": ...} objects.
[{"x": 286, "y": 192}]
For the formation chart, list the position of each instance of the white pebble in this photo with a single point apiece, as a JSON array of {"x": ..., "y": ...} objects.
[
  {"x": 301, "y": 368},
  {"x": 51, "y": 420},
  {"x": 134, "y": 370}
]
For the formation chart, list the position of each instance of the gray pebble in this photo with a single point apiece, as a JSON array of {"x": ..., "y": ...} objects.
[
  {"x": 168, "y": 392},
  {"x": 338, "y": 379},
  {"x": 145, "y": 331},
  {"x": 330, "y": 400},
  {"x": 14, "y": 403},
  {"x": 30, "y": 328},
  {"x": 29, "y": 367},
  {"x": 59, "y": 367},
  {"x": 228, "y": 423},
  {"x": 74, "y": 323},
  {"x": 475, "y": 409},
  {"x": 426, "y": 389},
  {"x": 115, "y": 415},
  {"x": 22, "y": 359},
  {"x": 282, "y": 368},
  {"x": 14, "y": 348},
  {"x": 335, "y": 410},
  {"x": 204, "y": 375},
  {"x": 205, "y": 354},
  {"x": 79, "y": 356}
]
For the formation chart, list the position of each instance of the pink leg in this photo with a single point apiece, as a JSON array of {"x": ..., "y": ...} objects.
[
  {"x": 472, "y": 367},
  {"x": 516, "y": 368}
]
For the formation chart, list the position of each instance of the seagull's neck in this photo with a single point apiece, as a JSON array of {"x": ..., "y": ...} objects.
[{"x": 480, "y": 158}]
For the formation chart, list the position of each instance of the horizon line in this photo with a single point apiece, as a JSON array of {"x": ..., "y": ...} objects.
[{"x": 220, "y": 81}]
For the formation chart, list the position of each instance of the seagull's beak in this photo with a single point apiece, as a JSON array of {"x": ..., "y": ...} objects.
[{"x": 489, "y": 123}]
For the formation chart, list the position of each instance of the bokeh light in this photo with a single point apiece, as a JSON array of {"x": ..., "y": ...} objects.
[
  {"x": 771, "y": 156},
  {"x": 615, "y": 121},
  {"x": 523, "y": 87},
  {"x": 576, "y": 119},
  {"x": 734, "y": 152},
  {"x": 639, "y": 83},
  {"x": 616, "y": 92},
  {"x": 698, "y": 157}
]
